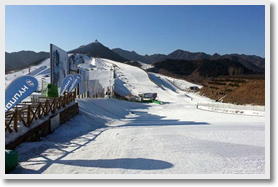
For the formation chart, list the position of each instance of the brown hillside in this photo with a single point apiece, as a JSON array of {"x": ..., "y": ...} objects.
[
  {"x": 235, "y": 90},
  {"x": 253, "y": 92}
]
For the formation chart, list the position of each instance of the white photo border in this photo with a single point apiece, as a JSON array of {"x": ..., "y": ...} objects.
[{"x": 163, "y": 176}]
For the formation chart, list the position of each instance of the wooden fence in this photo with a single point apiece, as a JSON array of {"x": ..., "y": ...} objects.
[{"x": 27, "y": 112}]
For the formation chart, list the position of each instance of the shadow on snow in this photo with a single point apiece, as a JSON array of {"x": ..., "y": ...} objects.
[
  {"x": 121, "y": 163},
  {"x": 95, "y": 115}
]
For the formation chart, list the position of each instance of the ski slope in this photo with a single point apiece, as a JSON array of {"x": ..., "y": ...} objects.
[
  {"x": 41, "y": 72},
  {"x": 138, "y": 81},
  {"x": 111, "y": 136}
]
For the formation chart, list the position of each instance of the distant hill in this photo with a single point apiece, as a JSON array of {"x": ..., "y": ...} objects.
[
  {"x": 200, "y": 69},
  {"x": 23, "y": 59},
  {"x": 252, "y": 62},
  {"x": 133, "y": 63},
  {"x": 96, "y": 49},
  {"x": 186, "y": 55},
  {"x": 131, "y": 55},
  {"x": 156, "y": 57}
]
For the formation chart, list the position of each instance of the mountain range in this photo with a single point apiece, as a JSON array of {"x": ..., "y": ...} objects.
[
  {"x": 21, "y": 59},
  {"x": 252, "y": 62},
  {"x": 198, "y": 70}
]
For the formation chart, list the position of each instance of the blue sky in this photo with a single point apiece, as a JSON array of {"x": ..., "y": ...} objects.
[{"x": 144, "y": 29}]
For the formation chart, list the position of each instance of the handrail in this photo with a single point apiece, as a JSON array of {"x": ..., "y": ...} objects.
[{"x": 33, "y": 111}]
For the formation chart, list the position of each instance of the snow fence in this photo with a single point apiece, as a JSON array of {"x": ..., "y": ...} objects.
[{"x": 233, "y": 109}]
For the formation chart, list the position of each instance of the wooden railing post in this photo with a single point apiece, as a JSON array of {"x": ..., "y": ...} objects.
[
  {"x": 29, "y": 115},
  {"x": 53, "y": 105},
  {"x": 67, "y": 98},
  {"x": 7, "y": 127},
  {"x": 59, "y": 102},
  {"x": 46, "y": 108},
  {"x": 15, "y": 119},
  {"x": 39, "y": 110},
  {"x": 64, "y": 101}
]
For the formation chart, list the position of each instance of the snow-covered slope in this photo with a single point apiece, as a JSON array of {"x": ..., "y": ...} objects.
[
  {"x": 120, "y": 137},
  {"x": 138, "y": 81},
  {"x": 180, "y": 84},
  {"x": 41, "y": 72},
  {"x": 145, "y": 66}
]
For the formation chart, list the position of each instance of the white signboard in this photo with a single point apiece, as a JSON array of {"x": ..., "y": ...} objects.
[{"x": 59, "y": 65}]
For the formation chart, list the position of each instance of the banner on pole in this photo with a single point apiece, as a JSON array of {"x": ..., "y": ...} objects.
[
  {"x": 76, "y": 81},
  {"x": 18, "y": 90},
  {"x": 66, "y": 83}
]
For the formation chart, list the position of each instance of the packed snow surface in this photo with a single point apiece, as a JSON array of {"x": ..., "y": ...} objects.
[{"x": 111, "y": 136}]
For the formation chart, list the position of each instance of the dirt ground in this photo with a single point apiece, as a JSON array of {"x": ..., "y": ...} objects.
[{"x": 235, "y": 90}]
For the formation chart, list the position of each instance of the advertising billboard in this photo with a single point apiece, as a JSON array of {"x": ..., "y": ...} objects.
[
  {"x": 59, "y": 65},
  {"x": 74, "y": 60}
]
